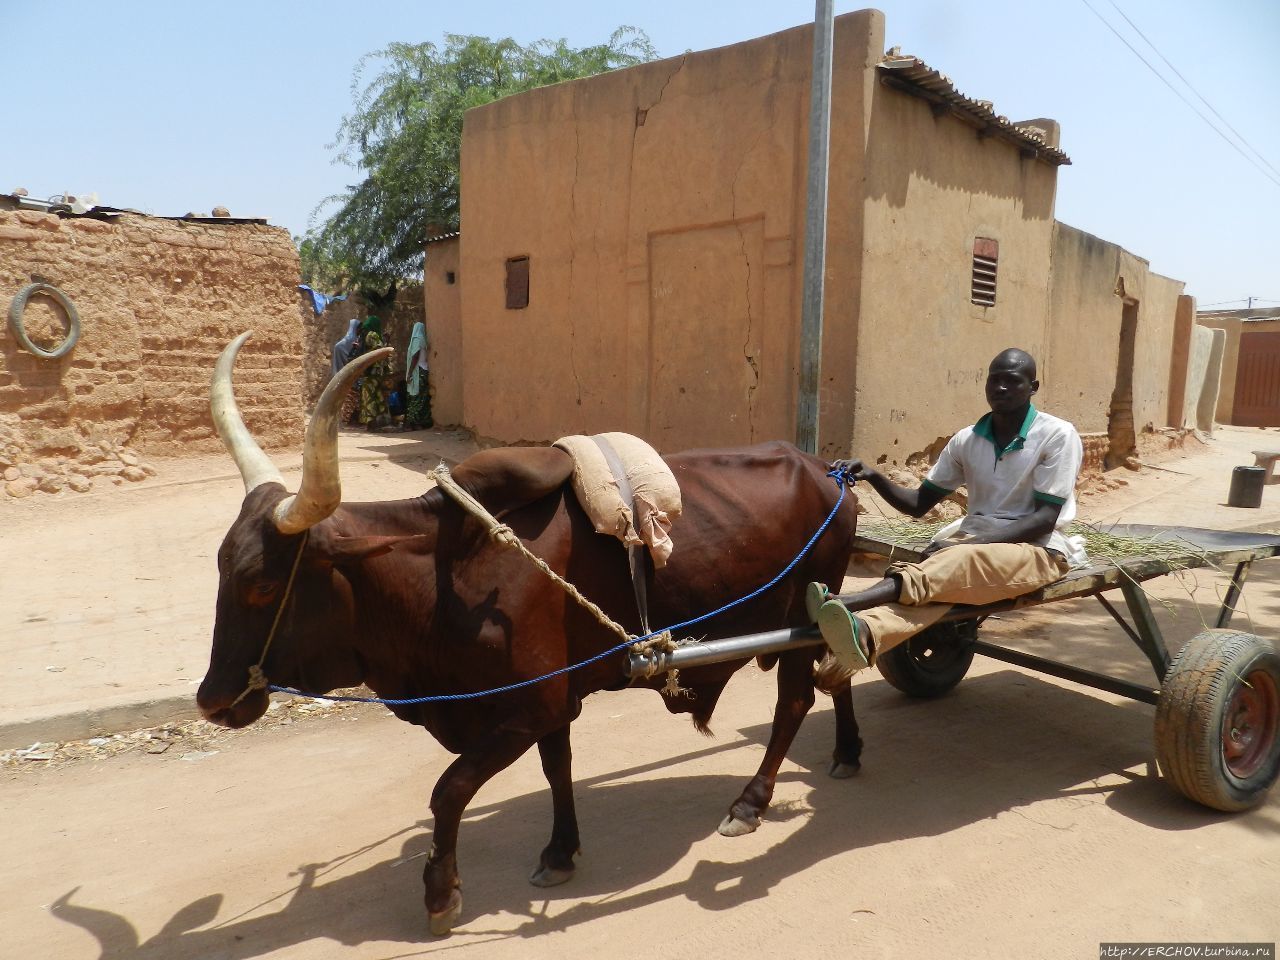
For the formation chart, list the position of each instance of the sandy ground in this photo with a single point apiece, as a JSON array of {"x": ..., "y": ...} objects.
[
  {"x": 1019, "y": 816},
  {"x": 107, "y": 598}
]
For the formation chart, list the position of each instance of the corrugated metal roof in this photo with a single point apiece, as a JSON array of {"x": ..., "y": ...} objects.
[
  {"x": 102, "y": 212},
  {"x": 912, "y": 75}
]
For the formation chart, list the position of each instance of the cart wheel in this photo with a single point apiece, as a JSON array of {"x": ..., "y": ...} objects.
[
  {"x": 933, "y": 661},
  {"x": 1218, "y": 720}
]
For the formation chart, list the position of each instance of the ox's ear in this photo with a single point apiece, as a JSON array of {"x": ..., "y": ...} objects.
[{"x": 339, "y": 549}]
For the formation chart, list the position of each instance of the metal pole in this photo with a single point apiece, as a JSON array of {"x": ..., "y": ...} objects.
[
  {"x": 653, "y": 662},
  {"x": 815, "y": 230}
]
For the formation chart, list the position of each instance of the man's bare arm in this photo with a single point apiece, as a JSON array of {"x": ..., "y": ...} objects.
[
  {"x": 1034, "y": 526},
  {"x": 913, "y": 502}
]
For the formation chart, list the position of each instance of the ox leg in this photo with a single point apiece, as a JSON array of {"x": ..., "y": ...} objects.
[
  {"x": 795, "y": 697},
  {"x": 453, "y": 791},
  {"x": 555, "y": 866},
  {"x": 846, "y": 760}
]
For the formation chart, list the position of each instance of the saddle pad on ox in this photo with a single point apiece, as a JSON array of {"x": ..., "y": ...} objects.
[{"x": 653, "y": 487}]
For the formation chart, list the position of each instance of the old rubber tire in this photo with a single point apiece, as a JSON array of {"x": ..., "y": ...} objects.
[
  {"x": 933, "y": 661},
  {"x": 1218, "y": 720},
  {"x": 19, "y": 304}
]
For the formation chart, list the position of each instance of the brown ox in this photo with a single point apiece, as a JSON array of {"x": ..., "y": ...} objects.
[{"x": 413, "y": 598}]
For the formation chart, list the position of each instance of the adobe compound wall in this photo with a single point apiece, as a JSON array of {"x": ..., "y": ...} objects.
[{"x": 158, "y": 299}]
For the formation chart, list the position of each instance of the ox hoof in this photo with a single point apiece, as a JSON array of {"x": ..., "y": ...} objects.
[
  {"x": 842, "y": 771},
  {"x": 731, "y": 826},
  {"x": 443, "y": 921},
  {"x": 546, "y": 876}
]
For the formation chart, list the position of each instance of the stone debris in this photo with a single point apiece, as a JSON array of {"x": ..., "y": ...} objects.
[
  {"x": 195, "y": 740},
  {"x": 59, "y": 461}
]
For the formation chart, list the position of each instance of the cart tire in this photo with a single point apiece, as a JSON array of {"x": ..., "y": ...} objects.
[
  {"x": 1218, "y": 720},
  {"x": 933, "y": 661}
]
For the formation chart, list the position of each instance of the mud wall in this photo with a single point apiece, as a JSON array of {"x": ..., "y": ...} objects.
[
  {"x": 441, "y": 287},
  {"x": 158, "y": 299},
  {"x": 1111, "y": 337},
  {"x": 933, "y": 187},
  {"x": 667, "y": 306}
]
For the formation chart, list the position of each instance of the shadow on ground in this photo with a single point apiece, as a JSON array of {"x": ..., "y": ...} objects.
[{"x": 1001, "y": 741}]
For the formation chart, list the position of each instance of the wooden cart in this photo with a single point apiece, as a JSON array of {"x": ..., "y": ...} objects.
[{"x": 1217, "y": 722}]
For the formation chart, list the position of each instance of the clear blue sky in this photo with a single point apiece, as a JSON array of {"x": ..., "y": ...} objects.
[{"x": 172, "y": 106}]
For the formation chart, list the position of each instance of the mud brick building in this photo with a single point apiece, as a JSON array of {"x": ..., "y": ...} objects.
[{"x": 157, "y": 298}]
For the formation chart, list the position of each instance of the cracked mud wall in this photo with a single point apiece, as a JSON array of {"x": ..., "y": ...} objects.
[
  {"x": 662, "y": 211},
  {"x": 158, "y": 300}
]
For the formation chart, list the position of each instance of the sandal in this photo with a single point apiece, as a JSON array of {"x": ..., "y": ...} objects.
[
  {"x": 840, "y": 631},
  {"x": 815, "y": 595}
]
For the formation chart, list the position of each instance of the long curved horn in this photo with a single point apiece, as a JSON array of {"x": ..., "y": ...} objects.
[
  {"x": 321, "y": 488},
  {"x": 255, "y": 466}
]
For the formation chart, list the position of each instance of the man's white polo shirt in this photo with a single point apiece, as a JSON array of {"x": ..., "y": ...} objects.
[{"x": 1040, "y": 464}]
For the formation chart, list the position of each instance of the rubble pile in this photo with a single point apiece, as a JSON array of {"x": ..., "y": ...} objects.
[{"x": 63, "y": 461}]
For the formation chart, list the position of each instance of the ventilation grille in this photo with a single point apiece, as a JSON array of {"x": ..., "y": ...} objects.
[{"x": 986, "y": 255}]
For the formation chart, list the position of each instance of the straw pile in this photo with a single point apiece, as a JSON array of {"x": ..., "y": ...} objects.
[{"x": 1102, "y": 546}]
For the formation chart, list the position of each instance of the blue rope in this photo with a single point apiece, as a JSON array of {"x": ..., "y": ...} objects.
[{"x": 840, "y": 478}]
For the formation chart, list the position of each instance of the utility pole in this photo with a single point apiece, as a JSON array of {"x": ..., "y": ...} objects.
[{"x": 815, "y": 230}]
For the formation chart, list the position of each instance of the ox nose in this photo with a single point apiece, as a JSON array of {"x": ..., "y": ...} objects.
[
  {"x": 215, "y": 699},
  {"x": 214, "y": 709}
]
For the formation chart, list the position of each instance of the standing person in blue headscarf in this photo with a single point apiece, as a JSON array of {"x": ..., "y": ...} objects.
[
  {"x": 418, "y": 410},
  {"x": 344, "y": 351}
]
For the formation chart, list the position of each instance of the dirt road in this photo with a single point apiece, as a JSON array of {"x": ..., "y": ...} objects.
[
  {"x": 1019, "y": 816},
  {"x": 1016, "y": 817}
]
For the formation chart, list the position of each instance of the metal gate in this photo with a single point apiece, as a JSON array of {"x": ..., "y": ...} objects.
[{"x": 1257, "y": 397}]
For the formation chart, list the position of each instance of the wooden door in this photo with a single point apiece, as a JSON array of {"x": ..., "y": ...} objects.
[{"x": 1257, "y": 399}]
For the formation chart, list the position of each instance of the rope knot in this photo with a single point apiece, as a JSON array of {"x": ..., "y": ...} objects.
[
  {"x": 257, "y": 679},
  {"x": 503, "y": 535},
  {"x": 662, "y": 642}
]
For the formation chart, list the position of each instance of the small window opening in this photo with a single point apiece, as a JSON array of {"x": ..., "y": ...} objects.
[
  {"x": 450, "y": 277},
  {"x": 517, "y": 283},
  {"x": 986, "y": 255}
]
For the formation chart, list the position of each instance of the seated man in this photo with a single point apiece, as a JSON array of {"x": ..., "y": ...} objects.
[{"x": 1020, "y": 467}]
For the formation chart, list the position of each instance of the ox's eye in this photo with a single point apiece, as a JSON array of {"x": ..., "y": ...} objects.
[{"x": 263, "y": 592}]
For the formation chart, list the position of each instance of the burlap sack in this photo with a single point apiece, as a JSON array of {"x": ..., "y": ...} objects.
[{"x": 657, "y": 495}]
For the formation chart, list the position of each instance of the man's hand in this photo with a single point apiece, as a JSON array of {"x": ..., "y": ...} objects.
[
  {"x": 915, "y": 502},
  {"x": 853, "y": 469}
]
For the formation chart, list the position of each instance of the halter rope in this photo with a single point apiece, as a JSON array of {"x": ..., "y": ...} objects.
[{"x": 258, "y": 679}]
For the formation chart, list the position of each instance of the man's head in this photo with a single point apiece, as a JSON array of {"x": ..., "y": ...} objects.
[{"x": 1011, "y": 381}]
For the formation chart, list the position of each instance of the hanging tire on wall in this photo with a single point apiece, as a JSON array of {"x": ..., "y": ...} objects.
[
  {"x": 19, "y": 304},
  {"x": 933, "y": 661},
  {"x": 1218, "y": 720}
]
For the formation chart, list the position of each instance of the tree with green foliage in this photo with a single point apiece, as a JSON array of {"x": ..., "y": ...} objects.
[{"x": 405, "y": 136}]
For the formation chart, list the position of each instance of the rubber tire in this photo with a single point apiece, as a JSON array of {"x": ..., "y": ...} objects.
[
  {"x": 19, "y": 304},
  {"x": 1188, "y": 731},
  {"x": 932, "y": 662}
]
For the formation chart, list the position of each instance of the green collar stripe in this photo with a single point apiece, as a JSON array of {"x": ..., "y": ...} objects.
[
  {"x": 984, "y": 429},
  {"x": 937, "y": 489}
]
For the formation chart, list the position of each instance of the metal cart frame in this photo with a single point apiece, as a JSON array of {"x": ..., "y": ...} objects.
[{"x": 1217, "y": 702}]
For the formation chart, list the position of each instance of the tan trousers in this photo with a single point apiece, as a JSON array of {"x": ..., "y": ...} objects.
[{"x": 965, "y": 573}]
